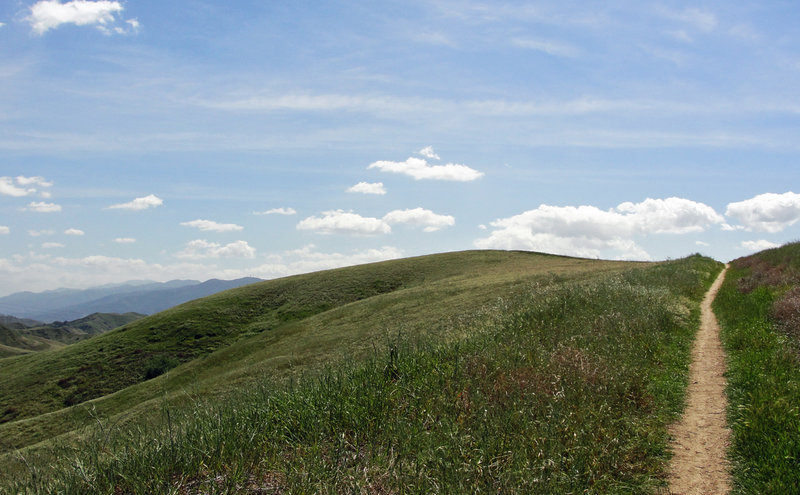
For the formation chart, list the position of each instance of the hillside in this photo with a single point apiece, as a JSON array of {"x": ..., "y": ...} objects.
[
  {"x": 125, "y": 357},
  {"x": 69, "y": 332},
  {"x": 264, "y": 334},
  {"x": 14, "y": 342},
  {"x": 759, "y": 312}
]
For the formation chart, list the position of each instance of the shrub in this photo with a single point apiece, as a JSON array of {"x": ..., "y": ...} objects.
[{"x": 158, "y": 365}]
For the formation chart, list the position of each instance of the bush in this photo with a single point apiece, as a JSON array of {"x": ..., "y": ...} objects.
[{"x": 158, "y": 365}]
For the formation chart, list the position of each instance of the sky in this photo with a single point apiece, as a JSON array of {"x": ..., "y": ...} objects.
[{"x": 199, "y": 139}]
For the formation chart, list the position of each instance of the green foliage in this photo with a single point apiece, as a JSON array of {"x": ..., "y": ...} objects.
[
  {"x": 566, "y": 386},
  {"x": 763, "y": 374},
  {"x": 158, "y": 365},
  {"x": 227, "y": 340}
]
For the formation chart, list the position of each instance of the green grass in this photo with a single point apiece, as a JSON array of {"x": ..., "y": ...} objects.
[
  {"x": 70, "y": 332},
  {"x": 763, "y": 373},
  {"x": 274, "y": 328},
  {"x": 566, "y": 384}
]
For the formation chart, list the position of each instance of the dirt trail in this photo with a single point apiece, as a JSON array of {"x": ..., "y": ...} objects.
[{"x": 700, "y": 439}]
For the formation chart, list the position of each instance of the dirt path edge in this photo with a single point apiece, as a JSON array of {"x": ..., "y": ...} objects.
[{"x": 700, "y": 439}]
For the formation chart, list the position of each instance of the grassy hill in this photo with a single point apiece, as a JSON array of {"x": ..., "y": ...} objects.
[
  {"x": 69, "y": 332},
  {"x": 15, "y": 342},
  {"x": 482, "y": 329},
  {"x": 759, "y": 311}
]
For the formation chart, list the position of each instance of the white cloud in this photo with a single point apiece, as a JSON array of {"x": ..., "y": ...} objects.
[
  {"x": 42, "y": 207},
  {"x": 50, "y": 14},
  {"x": 702, "y": 243},
  {"x": 7, "y": 188},
  {"x": 347, "y": 222},
  {"x": 277, "y": 211},
  {"x": 38, "y": 181},
  {"x": 428, "y": 152},
  {"x": 758, "y": 245},
  {"x": 368, "y": 188},
  {"x": 149, "y": 201},
  {"x": 549, "y": 47},
  {"x": 344, "y": 222},
  {"x": 201, "y": 249},
  {"x": 210, "y": 225},
  {"x": 420, "y": 217},
  {"x": 670, "y": 216},
  {"x": 591, "y": 232},
  {"x": 74, "y": 232},
  {"x": 767, "y": 212},
  {"x": 4, "y": 229},
  {"x": 51, "y": 245},
  {"x": 124, "y": 240},
  {"x": 37, "y": 233},
  {"x": 419, "y": 169}
]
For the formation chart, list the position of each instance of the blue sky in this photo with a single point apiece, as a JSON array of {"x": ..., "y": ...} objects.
[{"x": 192, "y": 139}]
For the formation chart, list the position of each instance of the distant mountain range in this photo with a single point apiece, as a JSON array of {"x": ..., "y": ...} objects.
[{"x": 133, "y": 297}]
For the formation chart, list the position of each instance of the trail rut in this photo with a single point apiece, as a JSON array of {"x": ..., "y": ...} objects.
[{"x": 700, "y": 439}]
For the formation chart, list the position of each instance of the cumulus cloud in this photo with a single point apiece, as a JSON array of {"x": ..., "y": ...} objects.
[
  {"x": 149, "y": 201},
  {"x": 37, "y": 233},
  {"x": 277, "y": 211},
  {"x": 103, "y": 14},
  {"x": 210, "y": 225},
  {"x": 124, "y": 240},
  {"x": 51, "y": 245},
  {"x": 7, "y": 188},
  {"x": 38, "y": 181},
  {"x": 74, "y": 232},
  {"x": 588, "y": 231},
  {"x": 21, "y": 186},
  {"x": 347, "y": 222},
  {"x": 42, "y": 207},
  {"x": 201, "y": 249},
  {"x": 420, "y": 217},
  {"x": 367, "y": 188},
  {"x": 759, "y": 245},
  {"x": 428, "y": 152},
  {"x": 767, "y": 212},
  {"x": 344, "y": 222},
  {"x": 4, "y": 229},
  {"x": 419, "y": 169},
  {"x": 670, "y": 216}
]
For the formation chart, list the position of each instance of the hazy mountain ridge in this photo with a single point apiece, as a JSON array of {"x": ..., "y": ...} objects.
[{"x": 139, "y": 297}]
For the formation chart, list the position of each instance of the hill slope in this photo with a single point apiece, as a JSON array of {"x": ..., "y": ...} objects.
[
  {"x": 69, "y": 332},
  {"x": 464, "y": 372},
  {"x": 276, "y": 316},
  {"x": 759, "y": 311}
]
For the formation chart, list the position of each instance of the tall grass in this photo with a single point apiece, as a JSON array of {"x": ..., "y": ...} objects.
[
  {"x": 566, "y": 389},
  {"x": 763, "y": 374}
]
